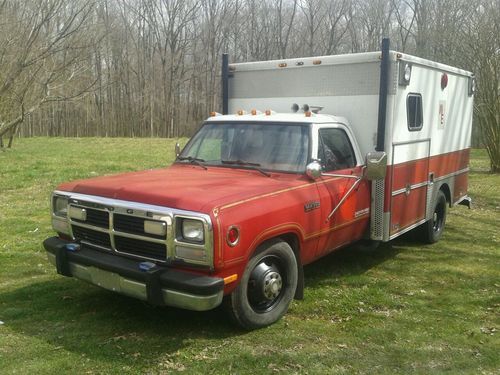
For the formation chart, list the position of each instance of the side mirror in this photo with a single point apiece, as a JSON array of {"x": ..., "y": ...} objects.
[
  {"x": 376, "y": 165},
  {"x": 177, "y": 149},
  {"x": 313, "y": 170}
]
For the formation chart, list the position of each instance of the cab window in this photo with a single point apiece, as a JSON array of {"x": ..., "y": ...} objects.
[{"x": 335, "y": 150}]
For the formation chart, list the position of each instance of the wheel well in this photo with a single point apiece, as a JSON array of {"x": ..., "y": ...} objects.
[{"x": 446, "y": 190}]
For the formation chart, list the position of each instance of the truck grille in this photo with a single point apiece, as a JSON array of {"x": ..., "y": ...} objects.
[
  {"x": 127, "y": 235},
  {"x": 132, "y": 224},
  {"x": 97, "y": 218},
  {"x": 141, "y": 248},
  {"x": 92, "y": 237}
]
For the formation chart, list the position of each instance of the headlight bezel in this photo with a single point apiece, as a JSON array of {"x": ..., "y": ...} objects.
[
  {"x": 192, "y": 250},
  {"x": 189, "y": 225},
  {"x": 60, "y": 205}
]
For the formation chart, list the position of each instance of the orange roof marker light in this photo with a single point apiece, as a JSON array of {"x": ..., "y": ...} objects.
[
  {"x": 240, "y": 112},
  {"x": 254, "y": 112},
  {"x": 282, "y": 65},
  {"x": 317, "y": 62},
  {"x": 308, "y": 113},
  {"x": 214, "y": 114},
  {"x": 269, "y": 112}
]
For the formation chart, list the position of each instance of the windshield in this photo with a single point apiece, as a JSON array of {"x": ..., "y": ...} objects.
[{"x": 276, "y": 147}]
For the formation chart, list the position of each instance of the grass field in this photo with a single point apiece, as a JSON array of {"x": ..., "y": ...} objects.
[{"x": 406, "y": 308}]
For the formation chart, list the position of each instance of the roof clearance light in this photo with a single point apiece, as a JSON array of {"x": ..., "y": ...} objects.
[
  {"x": 254, "y": 112},
  {"x": 404, "y": 73},
  {"x": 308, "y": 114},
  {"x": 282, "y": 65},
  {"x": 269, "y": 112},
  {"x": 317, "y": 62},
  {"x": 240, "y": 112}
]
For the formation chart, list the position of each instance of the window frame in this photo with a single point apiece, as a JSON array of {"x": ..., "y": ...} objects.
[
  {"x": 349, "y": 141},
  {"x": 421, "y": 108}
]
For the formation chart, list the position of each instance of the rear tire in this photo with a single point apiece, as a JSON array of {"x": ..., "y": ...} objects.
[
  {"x": 266, "y": 288},
  {"x": 432, "y": 230}
]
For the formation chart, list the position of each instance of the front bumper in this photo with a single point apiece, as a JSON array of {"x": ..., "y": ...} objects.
[{"x": 159, "y": 285}]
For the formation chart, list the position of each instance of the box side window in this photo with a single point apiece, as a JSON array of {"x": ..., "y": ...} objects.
[{"x": 414, "y": 111}]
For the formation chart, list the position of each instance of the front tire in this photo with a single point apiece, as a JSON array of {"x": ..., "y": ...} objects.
[
  {"x": 432, "y": 230},
  {"x": 267, "y": 286}
]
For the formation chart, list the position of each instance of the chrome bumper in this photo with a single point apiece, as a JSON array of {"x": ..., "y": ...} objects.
[{"x": 125, "y": 282}]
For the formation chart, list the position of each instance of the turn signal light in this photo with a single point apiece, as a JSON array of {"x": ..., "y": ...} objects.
[{"x": 230, "y": 279}]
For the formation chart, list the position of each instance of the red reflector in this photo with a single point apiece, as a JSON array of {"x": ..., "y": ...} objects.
[
  {"x": 444, "y": 81},
  {"x": 233, "y": 235}
]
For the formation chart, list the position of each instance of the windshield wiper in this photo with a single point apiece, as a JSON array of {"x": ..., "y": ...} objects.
[
  {"x": 254, "y": 166},
  {"x": 192, "y": 160}
]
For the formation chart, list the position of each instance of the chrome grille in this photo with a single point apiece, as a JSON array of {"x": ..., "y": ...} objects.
[
  {"x": 132, "y": 224},
  {"x": 98, "y": 218},
  {"x": 120, "y": 232},
  {"x": 141, "y": 248},
  {"x": 92, "y": 237},
  {"x": 118, "y": 226}
]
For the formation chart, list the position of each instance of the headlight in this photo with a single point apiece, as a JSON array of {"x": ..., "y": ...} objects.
[
  {"x": 60, "y": 206},
  {"x": 193, "y": 230}
]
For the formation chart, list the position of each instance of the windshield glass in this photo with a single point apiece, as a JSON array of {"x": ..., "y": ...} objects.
[{"x": 276, "y": 147}]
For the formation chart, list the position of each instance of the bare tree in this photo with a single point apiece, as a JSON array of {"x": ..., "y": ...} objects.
[{"x": 40, "y": 57}]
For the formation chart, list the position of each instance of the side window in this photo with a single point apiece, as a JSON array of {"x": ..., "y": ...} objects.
[
  {"x": 414, "y": 111},
  {"x": 335, "y": 150}
]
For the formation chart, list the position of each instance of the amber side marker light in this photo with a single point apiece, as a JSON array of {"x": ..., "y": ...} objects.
[
  {"x": 230, "y": 279},
  {"x": 317, "y": 62},
  {"x": 282, "y": 65}
]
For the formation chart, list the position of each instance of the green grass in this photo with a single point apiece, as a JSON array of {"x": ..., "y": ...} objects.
[{"x": 406, "y": 308}]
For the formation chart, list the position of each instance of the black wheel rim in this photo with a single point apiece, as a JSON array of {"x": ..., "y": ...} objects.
[
  {"x": 266, "y": 284},
  {"x": 438, "y": 217}
]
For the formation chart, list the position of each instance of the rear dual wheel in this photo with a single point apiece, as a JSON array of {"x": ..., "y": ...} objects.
[
  {"x": 432, "y": 230},
  {"x": 267, "y": 286}
]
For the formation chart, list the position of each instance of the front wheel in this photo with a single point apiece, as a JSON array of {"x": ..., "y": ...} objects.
[
  {"x": 266, "y": 288},
  {"x": 432, "y": 230}
]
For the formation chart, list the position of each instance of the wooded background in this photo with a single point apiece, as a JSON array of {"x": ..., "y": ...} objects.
[{"x": 151, "y": 68}]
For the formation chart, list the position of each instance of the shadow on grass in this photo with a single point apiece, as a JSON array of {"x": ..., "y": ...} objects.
[
  {"x": 350, "y": 261},
  {"x": 70, "y": 314}
]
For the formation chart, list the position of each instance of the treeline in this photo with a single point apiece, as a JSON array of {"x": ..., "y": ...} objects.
[{"x": 151, "y": 68}]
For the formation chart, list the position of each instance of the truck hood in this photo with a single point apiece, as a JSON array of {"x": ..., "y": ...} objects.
[{"x": 185, "y": 187}]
